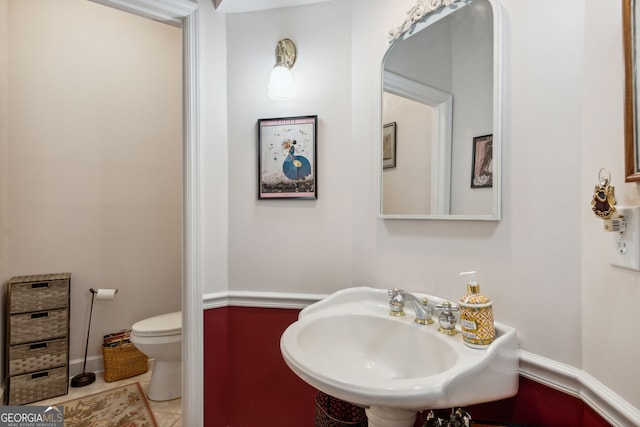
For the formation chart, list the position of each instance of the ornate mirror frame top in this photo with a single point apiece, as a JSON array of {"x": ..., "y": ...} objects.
[{"x": 417, "y": 13}]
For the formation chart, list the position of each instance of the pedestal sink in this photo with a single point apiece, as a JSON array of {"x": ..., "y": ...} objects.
[{"x": 348, "y": 346}]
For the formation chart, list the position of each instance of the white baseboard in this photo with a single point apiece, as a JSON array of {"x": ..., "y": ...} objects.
[
  {"x": 94, "y": 364},
  {"x": 559, "y": 376}
]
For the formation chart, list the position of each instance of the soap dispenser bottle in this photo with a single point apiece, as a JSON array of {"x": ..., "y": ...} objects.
[{"x": 476, "y": 315}]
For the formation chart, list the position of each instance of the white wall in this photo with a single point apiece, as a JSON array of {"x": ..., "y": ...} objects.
[
  {"x": 292, "y": 245},
  {"x": 214, "y": 158},
  {"x": 545, "y": 264},
  {"x": 610, "y": 295},
  {"x": 94, "y": 158}
]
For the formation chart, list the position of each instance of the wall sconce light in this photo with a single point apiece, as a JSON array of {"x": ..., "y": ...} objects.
[{"x": 281, "y": 80}]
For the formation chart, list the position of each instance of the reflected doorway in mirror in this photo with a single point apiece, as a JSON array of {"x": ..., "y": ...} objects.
[
  {"x": 482, "y": 169},
  {"x": 389, "y": 145}
]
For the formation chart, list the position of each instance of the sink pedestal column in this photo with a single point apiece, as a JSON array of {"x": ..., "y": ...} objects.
[{"x": 382, "y": 416}]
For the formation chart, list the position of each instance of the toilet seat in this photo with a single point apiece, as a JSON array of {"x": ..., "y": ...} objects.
[{"x": 159, "y": 326}]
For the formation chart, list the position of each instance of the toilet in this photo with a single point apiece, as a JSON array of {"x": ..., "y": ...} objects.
[{"x": 160, "y": 338}]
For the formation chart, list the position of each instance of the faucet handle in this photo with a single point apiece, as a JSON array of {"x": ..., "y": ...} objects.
[
  {"x": 396, "y": 305},
  {"x": 447, "y": 319},
  {"x": 447, "y": 307}
]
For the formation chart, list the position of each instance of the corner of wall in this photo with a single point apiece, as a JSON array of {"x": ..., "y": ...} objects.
[{"x": 214, "y": 151}]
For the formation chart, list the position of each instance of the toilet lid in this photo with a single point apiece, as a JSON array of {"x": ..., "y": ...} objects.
[{"x": 163, "y": 325}]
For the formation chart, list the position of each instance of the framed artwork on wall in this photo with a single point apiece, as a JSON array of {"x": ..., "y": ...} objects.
[
  {"x": 389, "y": 145},
  {"x": 287, "y": 158},
  {"x": 482, "y": 169}
]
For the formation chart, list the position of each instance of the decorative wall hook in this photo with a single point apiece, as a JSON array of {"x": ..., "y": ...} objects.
[{"x": 604, "y": 199}]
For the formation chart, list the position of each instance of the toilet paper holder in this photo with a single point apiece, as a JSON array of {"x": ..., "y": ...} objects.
[
  {"x": 85, "y": 378},
  {"x": 104, "y": 294}
]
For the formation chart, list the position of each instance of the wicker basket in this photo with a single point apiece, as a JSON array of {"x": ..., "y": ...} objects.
[
  {"x": 333, "y": 412},
  {"x": 123, "y": 361}
]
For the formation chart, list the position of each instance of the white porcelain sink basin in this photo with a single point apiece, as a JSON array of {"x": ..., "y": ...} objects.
[{"x": 348, "y": 346}]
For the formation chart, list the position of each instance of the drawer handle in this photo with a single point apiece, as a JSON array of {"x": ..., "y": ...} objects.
[
  {"x": 37, "y": 346},
  {"x": 38, "y": 315},
  {"x": 39, "y": 375},
  {"x": 40, "y": 285}
]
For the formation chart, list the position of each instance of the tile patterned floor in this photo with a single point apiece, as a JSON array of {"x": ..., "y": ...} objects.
[{"x": 167, "y": 413}]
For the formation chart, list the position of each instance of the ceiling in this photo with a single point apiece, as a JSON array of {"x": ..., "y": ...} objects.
[{"x": 236, "y": 6}]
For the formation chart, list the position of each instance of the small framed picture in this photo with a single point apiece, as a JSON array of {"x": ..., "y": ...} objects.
[
  {"x": 287, "y": 158},
  {"x": 482, "y": 169},
  {"x": 389, "y": 145}
]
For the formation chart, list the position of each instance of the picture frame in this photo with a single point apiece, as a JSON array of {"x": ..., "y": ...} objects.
[
  {"x": 287, "y": 158},
  {"x": 482, "y": 165},
  {"x": 389, "y": 145}
]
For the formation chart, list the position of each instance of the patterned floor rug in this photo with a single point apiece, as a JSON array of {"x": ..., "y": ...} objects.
[{"x": 121, "y": 406}]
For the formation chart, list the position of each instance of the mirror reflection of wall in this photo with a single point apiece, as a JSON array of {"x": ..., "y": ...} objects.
[
  {"x": 408, "y": 176},
  {"x": 453, "y": 55}
]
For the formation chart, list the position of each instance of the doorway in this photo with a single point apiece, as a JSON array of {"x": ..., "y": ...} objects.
[{"x": 184, "y": 13}]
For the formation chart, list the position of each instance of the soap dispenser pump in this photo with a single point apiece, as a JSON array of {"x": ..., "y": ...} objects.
[{"x": 476, "y": 315}]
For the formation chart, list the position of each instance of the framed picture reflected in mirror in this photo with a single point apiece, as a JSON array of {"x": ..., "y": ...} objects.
[
  {"x": 389, "y": 145},
  {"x": 482, "y": 167}
]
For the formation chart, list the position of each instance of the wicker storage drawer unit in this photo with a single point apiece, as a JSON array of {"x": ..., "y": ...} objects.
[
  {"x": 37, "y": 337},
  {"x": 36, "y": 386}
]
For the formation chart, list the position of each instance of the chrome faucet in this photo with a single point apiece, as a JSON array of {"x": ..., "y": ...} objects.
[{"x": 422, "y": 308}]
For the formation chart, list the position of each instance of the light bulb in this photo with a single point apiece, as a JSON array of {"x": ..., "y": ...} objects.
[{"x": 281, "y": 83}]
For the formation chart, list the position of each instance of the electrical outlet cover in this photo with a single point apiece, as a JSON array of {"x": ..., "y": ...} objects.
[{"x": 625, "y": 247}]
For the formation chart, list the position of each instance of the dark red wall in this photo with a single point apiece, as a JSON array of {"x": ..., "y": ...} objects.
[
  {"x": 247, "y": 384},
  {"x": 534, "y": 405},
  {"x": 246, "y": 381},
  {"x": 217, "y": 368}
]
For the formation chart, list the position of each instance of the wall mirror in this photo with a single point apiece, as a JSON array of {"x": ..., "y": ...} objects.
[
  {"x": 630, "y": 39},
  {"x": 441, "y": 113}
]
